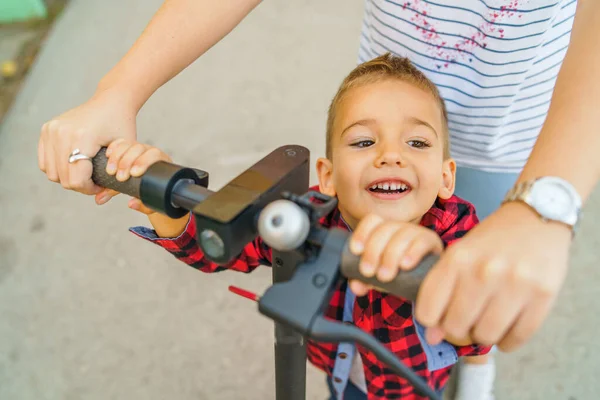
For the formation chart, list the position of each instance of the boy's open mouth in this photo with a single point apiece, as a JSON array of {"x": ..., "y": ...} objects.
[{"x": 389, "y": 187}]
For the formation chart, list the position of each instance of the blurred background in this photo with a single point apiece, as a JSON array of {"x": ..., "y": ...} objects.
[{"x": 89, "y": 311}]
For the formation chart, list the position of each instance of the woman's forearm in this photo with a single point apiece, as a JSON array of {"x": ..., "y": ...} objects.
[
  {"x": 569, "y": 143},
  {"x": 179, "y": 33}
]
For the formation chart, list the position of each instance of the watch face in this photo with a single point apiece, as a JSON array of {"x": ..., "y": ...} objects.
[{"x": 553, "y": 200}]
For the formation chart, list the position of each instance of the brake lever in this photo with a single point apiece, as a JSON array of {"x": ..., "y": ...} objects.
[
  {"x": 314, "y": 210},
  {"x": 326, "y": 330},
  {"x": 301, "y": 302}
]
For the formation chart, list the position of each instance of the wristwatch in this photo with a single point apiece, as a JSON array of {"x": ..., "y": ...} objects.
[{"x": 551, "y": 197}]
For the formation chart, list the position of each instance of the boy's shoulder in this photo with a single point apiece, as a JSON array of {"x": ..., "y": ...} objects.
[
  {"x": 453, "y": 216},
  {"x": 454, "y": 206}
]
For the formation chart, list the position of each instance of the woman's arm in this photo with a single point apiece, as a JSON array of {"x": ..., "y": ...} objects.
[
  {"x": 569, "y": 143},
  {"x": 500, "y": 282},
  {"x": 179, "y": 33}
]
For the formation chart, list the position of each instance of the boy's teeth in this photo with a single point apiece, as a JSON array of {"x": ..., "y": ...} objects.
[{"x": 389, "y": 186}]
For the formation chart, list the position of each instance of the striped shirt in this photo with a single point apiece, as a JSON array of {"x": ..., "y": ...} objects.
[{"x": 495, "y": 63}]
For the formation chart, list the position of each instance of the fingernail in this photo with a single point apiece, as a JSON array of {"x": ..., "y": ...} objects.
[
  {"x": 108, "y": 152},
  {"x": 134, "y": 205},
  {"x": 366, "y": 269},
  {"x": 121, "y": 175},
  {"x": 407, "y": 261},
  {"x": 104, "y": 198},
  {"x": 135, "y": 170},
  {"x": 385, "y": 274},
  {"x": 356, "y": 247},
  {"x": 111, "y": 168}
]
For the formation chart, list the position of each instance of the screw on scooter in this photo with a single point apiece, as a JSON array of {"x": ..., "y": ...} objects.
[{"x": 267, "y": 200}]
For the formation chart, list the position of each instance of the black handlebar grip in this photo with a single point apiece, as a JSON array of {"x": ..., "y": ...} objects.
[
  {"x": 405, "y": 285},
  {"x": 103, "y": 179}
]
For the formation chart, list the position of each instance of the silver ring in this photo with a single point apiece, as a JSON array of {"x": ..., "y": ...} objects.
[{"x": 76, "y": 156}]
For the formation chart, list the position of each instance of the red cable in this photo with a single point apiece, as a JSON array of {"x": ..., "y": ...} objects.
[{"x": 244, "y": 293}]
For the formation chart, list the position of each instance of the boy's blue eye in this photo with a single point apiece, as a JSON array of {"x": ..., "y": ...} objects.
[
  {"x": 419, "y": 144},
  {"x": 363, "y": 143}
]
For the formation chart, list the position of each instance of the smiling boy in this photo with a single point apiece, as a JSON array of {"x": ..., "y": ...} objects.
[{"x": 387, "y": 161}]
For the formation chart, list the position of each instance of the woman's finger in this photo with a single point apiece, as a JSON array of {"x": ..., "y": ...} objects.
[
  {"x": 105, "y": 195},
  {"x": 41, "y": 148}
]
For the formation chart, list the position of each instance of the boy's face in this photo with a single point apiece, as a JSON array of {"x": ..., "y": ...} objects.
[{"x": 387, "y": 153}]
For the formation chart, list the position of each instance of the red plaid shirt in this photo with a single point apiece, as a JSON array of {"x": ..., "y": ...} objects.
[{"x": 384, "y": 316}]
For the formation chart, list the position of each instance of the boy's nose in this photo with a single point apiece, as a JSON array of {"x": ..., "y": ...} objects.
[{"x": 390, "y": 156}]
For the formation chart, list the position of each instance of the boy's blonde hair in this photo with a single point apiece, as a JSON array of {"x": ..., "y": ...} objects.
[{"x": 386, "y": 66}]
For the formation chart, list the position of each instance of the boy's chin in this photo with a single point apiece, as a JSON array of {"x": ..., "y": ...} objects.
[{"x": 396, "y": 214}]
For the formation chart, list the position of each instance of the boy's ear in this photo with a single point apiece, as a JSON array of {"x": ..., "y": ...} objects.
[
  {"x": 448, "y": 179},
  {"x": 325, "y": 173}
]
